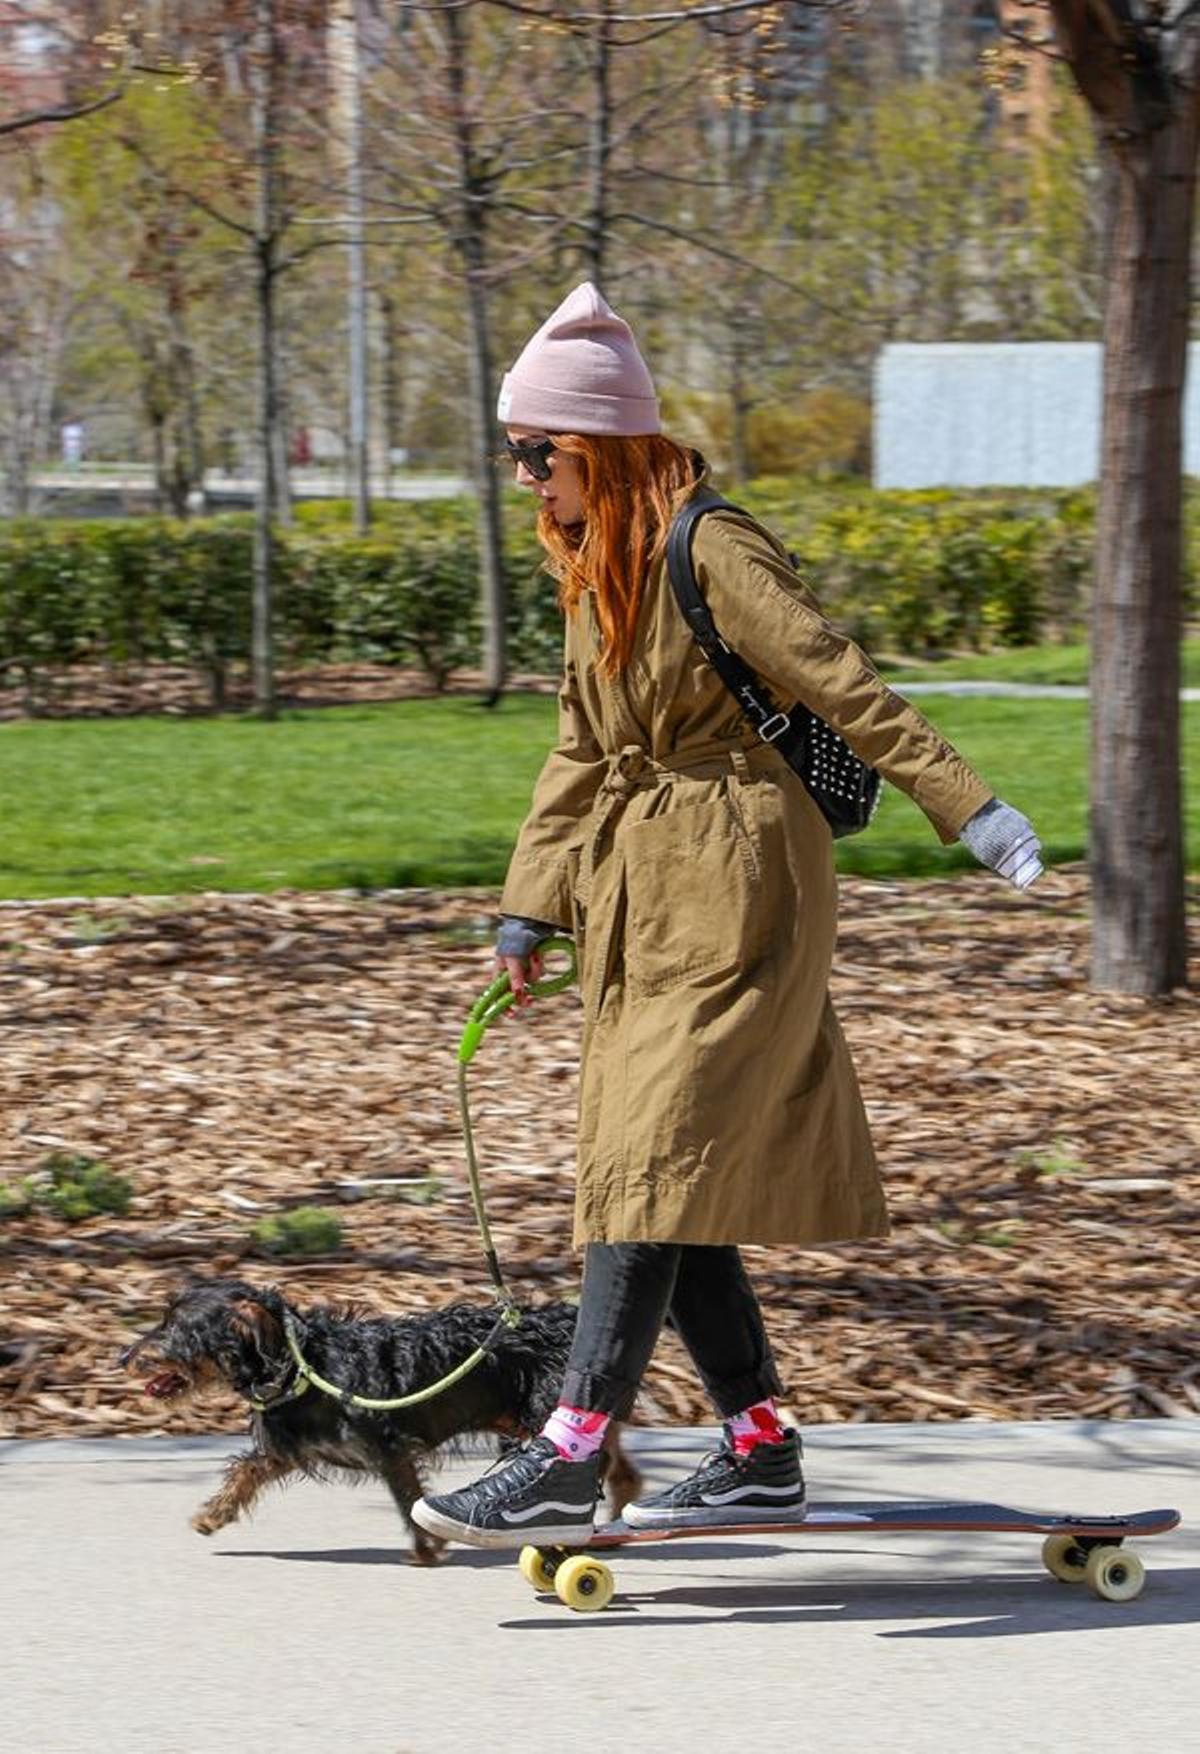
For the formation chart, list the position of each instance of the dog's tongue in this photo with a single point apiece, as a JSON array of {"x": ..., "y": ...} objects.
[{"x": 163, "y": 1384}]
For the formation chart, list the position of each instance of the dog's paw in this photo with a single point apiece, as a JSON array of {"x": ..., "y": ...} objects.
[
  {"x": 205, "y": 1523},
  {"x": 427, "y": 1550}
]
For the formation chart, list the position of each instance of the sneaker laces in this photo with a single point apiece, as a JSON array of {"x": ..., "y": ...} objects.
[
  {"x": 507, "y": 1471},
  {"x": 723, "y": 1455}
]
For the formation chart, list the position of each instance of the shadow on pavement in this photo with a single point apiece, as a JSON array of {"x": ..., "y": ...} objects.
[
  {"x": 466, "y": 1558},
  {"x": 324, "y": 1556},
  {"x": 983, "y": 1608}
]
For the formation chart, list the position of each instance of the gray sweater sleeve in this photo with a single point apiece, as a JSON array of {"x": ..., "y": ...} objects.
[{"x": 520, "y": 937}]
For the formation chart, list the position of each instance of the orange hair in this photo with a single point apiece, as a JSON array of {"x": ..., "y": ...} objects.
[{"x": 632, "y": 487}]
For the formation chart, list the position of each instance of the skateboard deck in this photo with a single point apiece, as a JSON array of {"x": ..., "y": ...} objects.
[{"x": 1076, "y": 1549}]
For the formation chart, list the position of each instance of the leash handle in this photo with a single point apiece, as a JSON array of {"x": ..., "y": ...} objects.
[{"x": 500, "y": 997}]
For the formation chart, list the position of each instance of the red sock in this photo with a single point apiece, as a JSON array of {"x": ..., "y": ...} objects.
[{"x": 757, "y": 1424}]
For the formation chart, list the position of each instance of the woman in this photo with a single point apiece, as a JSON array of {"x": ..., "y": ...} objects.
[{"x": 718, "y": 1101}]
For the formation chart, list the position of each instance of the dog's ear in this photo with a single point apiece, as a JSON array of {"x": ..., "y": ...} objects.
[{"x": 254, "y": 1322}]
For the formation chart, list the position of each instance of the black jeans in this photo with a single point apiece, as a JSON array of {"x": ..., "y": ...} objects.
[{"x": 629, "y": 1289}]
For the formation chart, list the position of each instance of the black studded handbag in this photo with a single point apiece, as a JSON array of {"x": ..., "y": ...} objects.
[{"x": 842, "y": 786}]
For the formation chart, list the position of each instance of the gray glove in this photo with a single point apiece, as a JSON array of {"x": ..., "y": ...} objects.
[
  {"x": 1001, "y": 838},
  {"x": 520, "y": 937}
]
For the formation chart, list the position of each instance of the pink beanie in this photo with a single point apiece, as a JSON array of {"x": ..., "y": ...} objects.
[{"x": 581, "y": 372}]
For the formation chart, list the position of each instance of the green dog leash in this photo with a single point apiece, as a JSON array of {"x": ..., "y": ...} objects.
[
  {"x": 492, "y": 1004},
  {"x": 498, "y": 999}
]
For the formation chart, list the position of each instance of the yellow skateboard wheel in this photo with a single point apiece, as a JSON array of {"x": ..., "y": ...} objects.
[
  {"x": 1064, "y": 1558},
  {"x": 584, "y": 1584},
  {"x": 1114, "y": 1574},
  {"x": 537, "y": 1570}
]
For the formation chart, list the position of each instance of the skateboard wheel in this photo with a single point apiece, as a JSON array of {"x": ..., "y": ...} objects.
[
  {"x": 584, "y": 1584},
  {"x": 1114, "y": 1574},
  {"x": 537, "y": 1568},
  {"x": 1064, "y": 1558}
]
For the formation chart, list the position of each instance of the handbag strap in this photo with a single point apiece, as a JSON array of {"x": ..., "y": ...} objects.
[{"x": 772, "y": 725}]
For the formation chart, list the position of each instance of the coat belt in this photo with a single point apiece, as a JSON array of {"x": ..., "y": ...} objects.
[{"x": 633, "y": 769}]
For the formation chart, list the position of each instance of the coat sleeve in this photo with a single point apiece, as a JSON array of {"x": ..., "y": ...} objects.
[
  {"x": 538, "y": 884},
  {"x": 768, "y": 615}
]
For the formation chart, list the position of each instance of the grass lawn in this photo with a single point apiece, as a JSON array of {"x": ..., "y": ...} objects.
[
  {"x": 426, "y": 792},
  {"x": 1061, "y": 664}
]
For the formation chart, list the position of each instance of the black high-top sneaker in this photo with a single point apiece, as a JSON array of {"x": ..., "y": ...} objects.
[
  {"x": 765, "y": 1486},
  {"x": 534, "y": 1496}
]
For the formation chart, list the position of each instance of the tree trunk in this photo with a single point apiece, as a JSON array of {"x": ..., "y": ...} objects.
[
  {"x": 1136, "y": 850},
  {"x": 189, "y": 447},
  {"x": 471, "y": 243},
  {"x": 281, "y": 428},
  {"x": 177, "y": 475},
  {"x": 267, "y": 413},
  {"x": 263, "y": 629},
  {"x": 18, "y": 498},
  {"x": 357, "y": 313},
  {"x": 158, "y": 451},
  {"x": 195, "y": 441},
  {"x": 487, "y": 490},
  {"x": 599, "y": 152},
  {"x": 740, "y": 404},
  {"x": 388, "y": 387}
]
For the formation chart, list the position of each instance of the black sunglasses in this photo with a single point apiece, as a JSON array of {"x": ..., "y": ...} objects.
[{"x": 534, "y": 453}]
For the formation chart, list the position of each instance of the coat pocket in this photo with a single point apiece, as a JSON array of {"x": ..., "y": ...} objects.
[
  {"x": 694, "y": 896},
  {"x": 597, "y": 924}
]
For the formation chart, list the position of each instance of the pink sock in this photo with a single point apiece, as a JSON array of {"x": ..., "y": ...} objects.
[
  {"x": 576, "y": 1435},
  {"x": 757, "y": 1424}
]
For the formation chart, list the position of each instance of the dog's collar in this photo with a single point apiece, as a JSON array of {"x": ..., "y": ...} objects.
[
  {"x": 292, "y": 1391},
  {"x": 296, "y": 1377},
  {"x": 292, "y": 1382}
]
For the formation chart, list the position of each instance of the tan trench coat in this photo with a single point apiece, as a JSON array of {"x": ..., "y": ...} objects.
[{"x": 718, "y": 1100}]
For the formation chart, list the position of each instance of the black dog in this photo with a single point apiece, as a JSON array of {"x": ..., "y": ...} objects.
[{"x": 227, "y": 1332}]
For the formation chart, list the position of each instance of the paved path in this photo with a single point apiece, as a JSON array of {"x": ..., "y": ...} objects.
[
  {"x": 304, "y": 1632},
  {"x": 1014, "y": 690},
  {"x": 241, "y": 489}
]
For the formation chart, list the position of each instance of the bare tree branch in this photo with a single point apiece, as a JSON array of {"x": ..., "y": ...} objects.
[
  {"x": 576, "y": 23},
  {"x": 72, "y": 112},
  {"x": 700, "y": 242},
  {"x": 64, "y": 112},
  {"x": 170, "y": 187},
  {"x": 677, "y": 15}
]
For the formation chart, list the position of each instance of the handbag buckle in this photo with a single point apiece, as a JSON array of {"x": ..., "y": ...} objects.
[{"x": 774, "y": 727}]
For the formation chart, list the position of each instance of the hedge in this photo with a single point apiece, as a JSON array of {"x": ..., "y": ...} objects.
[
  {"x": 922, "y": 573},
  {"x": 903, "y": 573},
  {"x": 125, "y": 593}
]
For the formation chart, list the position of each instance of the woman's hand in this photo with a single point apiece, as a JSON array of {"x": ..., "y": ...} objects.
[
  {"x": 517, "y": 953},
  {"x": 520, "y": 971}
]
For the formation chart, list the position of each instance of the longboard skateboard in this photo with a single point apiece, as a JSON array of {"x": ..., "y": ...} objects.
[{"x": 1075, "y": 1549}]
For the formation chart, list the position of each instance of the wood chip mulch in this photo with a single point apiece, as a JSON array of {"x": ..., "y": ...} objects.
[
  {"x": 86, "y": 691},
  {"x": 239, "y": 1056}
]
